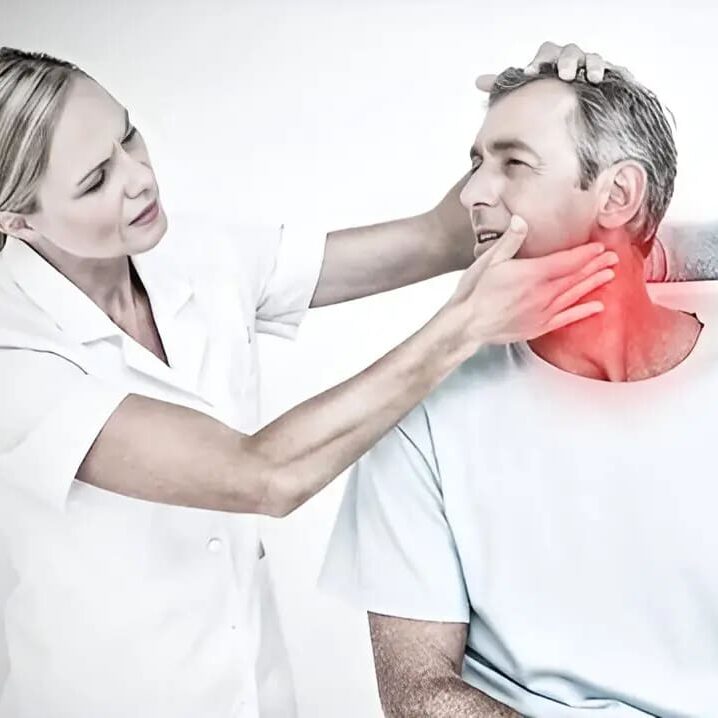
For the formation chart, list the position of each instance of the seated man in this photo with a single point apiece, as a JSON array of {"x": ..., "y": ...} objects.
[{"x": 541, "y": 530}]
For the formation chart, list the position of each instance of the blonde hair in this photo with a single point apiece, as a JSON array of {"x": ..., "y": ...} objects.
[{"x": 33, "y": 86}]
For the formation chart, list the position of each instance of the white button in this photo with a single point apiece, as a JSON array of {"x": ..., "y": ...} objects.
[{"x": 214, "y": 545}]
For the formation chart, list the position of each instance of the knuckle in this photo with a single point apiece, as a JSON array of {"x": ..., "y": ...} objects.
[{"x": 547, "y": 46}]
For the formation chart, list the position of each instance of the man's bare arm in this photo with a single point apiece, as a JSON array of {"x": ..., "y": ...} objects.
[
  {"x": 418, "y": 668},
  {"x": 684, "y": 252}
]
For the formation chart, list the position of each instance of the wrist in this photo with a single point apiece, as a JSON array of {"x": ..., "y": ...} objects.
[
  {"x": 454, "y": 336},
  {"x": 451, "y": 241}
]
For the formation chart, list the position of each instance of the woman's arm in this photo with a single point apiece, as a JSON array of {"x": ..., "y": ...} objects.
[
  {"x": 162, "y": 452},
  {"x": 368, "y": 260}
]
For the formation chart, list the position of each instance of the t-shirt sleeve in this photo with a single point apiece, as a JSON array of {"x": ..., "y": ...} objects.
[
  {"x": 289, "y": 278},
  {"x": 392, "y": 550},
  {"x": 52, "y": 412}
]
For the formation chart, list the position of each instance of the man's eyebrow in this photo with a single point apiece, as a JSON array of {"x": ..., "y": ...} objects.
[
  {"x": 512, "y": 144},
  {"x": 105, "y": 161},
  {"x": 506, "y": 145}
]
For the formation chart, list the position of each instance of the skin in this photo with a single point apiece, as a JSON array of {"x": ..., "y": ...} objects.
[{"x": 525, "y": 163}]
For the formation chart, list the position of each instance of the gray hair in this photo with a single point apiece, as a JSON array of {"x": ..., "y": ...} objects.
[
  {"x": 33, "y": 86},
  {"x": 616, "y": 119}
]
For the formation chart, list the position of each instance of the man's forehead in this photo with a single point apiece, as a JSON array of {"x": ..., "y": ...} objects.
[{"x": 530, "y": 113}]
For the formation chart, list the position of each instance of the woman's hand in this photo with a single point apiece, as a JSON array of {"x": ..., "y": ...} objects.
[
  {"x": 507, "y": 299},
  {"x": 568, "y": 60}
]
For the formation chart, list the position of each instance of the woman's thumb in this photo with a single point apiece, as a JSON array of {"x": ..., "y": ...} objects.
[{"x": 510, "y": 241}]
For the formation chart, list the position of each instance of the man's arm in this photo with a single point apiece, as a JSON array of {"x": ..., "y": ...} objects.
[
  {"x": 684, "y": 252},
  {"x": 418, "y": 668}
]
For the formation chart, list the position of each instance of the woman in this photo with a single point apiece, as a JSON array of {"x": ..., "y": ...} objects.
[{"x": 130, "y": 461}]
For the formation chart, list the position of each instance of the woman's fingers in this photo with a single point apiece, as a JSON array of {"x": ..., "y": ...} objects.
[
  {"x": 571, "y": 315},
  {"x": 562, "y": 264},
  {"x": 595, "y": 67},
  {"x": 580, "y": 288},
  {"x": 569, "y": 61},
  {"x": 485, "y": 82},
  {"x": 548, "y": 52},
  {"x": 509, "y": 242},
  {"x": 604, "y": 260}
]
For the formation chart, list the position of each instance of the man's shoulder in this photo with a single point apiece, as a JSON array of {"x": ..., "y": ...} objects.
[
  {"x": 699, "y": 297},
  {"x": 472, "y": 388}
]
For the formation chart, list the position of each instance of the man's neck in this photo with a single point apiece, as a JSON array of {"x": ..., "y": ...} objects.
[{"x": 632, "y": 339}]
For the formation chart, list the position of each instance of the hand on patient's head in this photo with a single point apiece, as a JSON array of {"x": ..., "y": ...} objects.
[{"x": 567, "y": 61}]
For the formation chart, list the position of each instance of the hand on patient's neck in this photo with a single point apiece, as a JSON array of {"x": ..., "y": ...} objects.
[{"x": 632, "y": 339}]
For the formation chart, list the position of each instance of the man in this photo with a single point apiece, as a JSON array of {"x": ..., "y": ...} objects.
[{"x": 540, "y": 530}]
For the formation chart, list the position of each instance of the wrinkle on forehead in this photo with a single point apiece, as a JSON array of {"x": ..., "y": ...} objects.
[
  {"x": 89, "y": 122},
  {"x": 535, "y": 113}
]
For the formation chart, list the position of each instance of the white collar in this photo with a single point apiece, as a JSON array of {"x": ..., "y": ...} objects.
[{"x": 69, "y": 307}]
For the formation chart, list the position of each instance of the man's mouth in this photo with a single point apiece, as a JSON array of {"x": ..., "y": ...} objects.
[{"x": 487, "y": 236}]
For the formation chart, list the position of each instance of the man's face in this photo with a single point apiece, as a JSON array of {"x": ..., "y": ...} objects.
[{"x": 525, "y": 163}]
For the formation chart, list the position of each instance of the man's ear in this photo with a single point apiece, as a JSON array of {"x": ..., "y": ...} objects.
[
  {"x": 16, "y": 225},
  {"x": 623, "y": 190}
]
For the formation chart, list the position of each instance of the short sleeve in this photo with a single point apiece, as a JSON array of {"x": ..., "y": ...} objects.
[
  {"x": 290, "y": 280},
  {"x": 275, "y": 268},
  {"x": 392, "y": 550},
  {"x": 52, "y": 412}
]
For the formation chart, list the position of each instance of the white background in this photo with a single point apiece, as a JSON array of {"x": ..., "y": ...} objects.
[{"x": 344, "y": 113}]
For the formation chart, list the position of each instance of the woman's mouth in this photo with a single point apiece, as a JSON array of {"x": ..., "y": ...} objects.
[{"x": 148, "y": 214}]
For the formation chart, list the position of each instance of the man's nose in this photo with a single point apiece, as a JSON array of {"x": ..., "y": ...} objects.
[{"x": 483, "y": 188}]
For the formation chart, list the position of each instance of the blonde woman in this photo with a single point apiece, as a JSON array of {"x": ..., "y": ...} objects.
[{"x": 131, "y": 464}]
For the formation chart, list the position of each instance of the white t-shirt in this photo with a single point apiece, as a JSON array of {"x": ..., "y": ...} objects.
[
  {"x": 570, "y": 522},
  {"x": 123, "y": 607}
]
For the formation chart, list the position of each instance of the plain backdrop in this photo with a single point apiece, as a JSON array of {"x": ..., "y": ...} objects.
[{"x": 337, "y": 114}]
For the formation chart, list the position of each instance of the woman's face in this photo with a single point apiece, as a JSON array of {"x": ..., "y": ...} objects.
[{"x": 98, "y": 198}]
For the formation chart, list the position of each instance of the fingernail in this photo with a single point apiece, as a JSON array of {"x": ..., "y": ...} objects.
[
  {"x": 612, "y": 258},
  {"x": 530, "y": 70},
  {"x": 516, "y": 223}
]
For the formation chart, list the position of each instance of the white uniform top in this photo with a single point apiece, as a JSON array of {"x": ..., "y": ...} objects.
[
  {"x": 125, "y": 607},
  {"x": 570, "y": 522}
]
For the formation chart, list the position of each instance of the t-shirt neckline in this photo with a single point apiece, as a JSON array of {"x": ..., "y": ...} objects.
[{"x": 541, "y": 364}]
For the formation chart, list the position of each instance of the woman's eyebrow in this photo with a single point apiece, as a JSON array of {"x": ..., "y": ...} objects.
[{"x": 105, "y": 161}]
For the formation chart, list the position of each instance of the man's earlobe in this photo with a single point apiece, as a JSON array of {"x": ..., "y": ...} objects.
[{"x": 623, "y": 196}]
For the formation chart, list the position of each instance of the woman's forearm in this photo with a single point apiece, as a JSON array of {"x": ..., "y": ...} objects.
[{"x": 314, "y": 442}]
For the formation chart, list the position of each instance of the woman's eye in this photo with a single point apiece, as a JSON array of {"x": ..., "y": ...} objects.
[
  {"x": 475, "y": 165},
  {"x": 97, "y": 184},
  {"x": 516, "y": 163},
  {"x": 130, "y": 135}
]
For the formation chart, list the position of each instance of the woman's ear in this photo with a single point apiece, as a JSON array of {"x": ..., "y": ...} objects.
[
  {"x": 624, "y": 187},
  {"x": 16, "y": 225}
]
